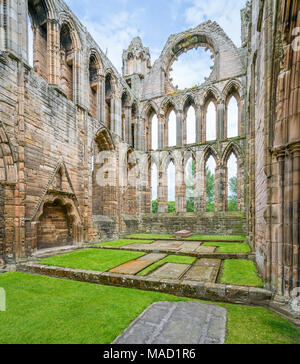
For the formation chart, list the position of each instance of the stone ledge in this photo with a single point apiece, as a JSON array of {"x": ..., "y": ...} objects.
[
  {"x": 204, "y": 291},
  {"x": 221, "y": 256}
]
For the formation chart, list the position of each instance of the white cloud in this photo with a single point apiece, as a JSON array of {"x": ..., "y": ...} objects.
[
  {"x": 225, "y": 13},
  {"x": 114, "y": 34}
]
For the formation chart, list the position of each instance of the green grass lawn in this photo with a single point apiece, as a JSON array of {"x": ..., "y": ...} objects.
[
  {"x": 150, "y": 236},
  {"x": 92, "y": 259},
  {"x": 241, "y": 272},
  {"x": 230, "y": 247},
  {"x": 124, "y": 242},
  {"x": 168, "y": 259},
  {"x": 43, "y": 310},
  {"x": 218, "y": 237}
]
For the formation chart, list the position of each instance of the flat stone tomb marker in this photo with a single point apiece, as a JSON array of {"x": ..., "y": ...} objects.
[
  {"x": 183, "y": 234},
  {"x": 170, "y": 271},
  {"x": 167, "y": 245},
  {"x": 177, "y": 323},
  {"x": 204, "y": 270},
  {"x": 206, "y": 249},
  {"x": 189, "y": 247},
  {"x": 135, "y": 266}
]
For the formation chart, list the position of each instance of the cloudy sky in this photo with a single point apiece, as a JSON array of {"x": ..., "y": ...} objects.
[{"x": 114, "y": 23}]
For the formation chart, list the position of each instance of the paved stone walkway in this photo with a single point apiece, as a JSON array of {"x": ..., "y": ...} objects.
[
  {"x": 177, "y": 323},
  {"x": 174, "y": 246}
]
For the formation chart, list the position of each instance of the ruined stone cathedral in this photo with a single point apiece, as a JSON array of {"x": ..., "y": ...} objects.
[{"x": 75, "y": 136}]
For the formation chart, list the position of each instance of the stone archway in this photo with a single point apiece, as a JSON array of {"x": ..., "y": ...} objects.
[{"x": 55, "y": 226}]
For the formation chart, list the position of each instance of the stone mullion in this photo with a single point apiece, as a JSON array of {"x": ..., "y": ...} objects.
[
  {"x": 101, "y": 98},
  {"x": 221, "y": 128},
  {"x": 223, "y": 188},
  {"x": 77, "y": 84},
  {"x": 199, "y": 117},
  {"x": 203, "y": 124},
  {"x": 127, "y": 137},
  {"x": 160, "y": 132},
  {"x": 166, "y": 133},
  {"x": 162, "y": 198},
  {"x": 53, "y": 52},
  {"x": 240, "y": 187},
  {"x": 198, "y": 192},
  {"x": 218, "y": 190},
  {"x": 241, "y": 117},
  {"x": 180, "y": 189},
  {"x": 184, "y": 130},
  {"x": 179, "y": 117}
]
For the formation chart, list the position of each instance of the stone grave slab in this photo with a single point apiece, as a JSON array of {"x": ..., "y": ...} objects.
[
  {"x": 162, "y": 324},
  {"x": 170, "y": 271},
  {"x": 189, "y": 247},
  {"x": 183, "y": 234},
  {"x": 166, "y": 245},
  {"x": 152, "y": 257},
  {"x": 132, "y": 267},
  {"x": 206, "y": 249},
  {"x": 209, "y": 262},
  {"x": 202, "y": 274}
]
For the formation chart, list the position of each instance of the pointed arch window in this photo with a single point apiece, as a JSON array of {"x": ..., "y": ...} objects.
[
  {"x": 211, "y": 122},
  {"x": 190, "y": 172},
  {"x": 191, "y": 126},
  {"x": 172, "y": 129},
  {"x": 232, "y": 118},
  {"x": 232, "y": 183},
  {"x": 154, "y": 188},
  {"x": 154, "y": 132},
  {"x": 210, "y": 173},
  {"x": 171, "y": 187}
]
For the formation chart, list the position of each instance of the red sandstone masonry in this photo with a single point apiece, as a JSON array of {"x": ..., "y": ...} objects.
[{"x": 203, "y": 291}]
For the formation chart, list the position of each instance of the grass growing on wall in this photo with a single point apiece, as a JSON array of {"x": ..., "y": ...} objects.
[
  {"x": 241, "y": 272},
  {"x": 43, "y": 310},
  {"x": 92, "y": 259}
]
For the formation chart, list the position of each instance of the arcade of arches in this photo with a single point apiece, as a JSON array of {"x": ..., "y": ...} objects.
[{"x": 87, "y": 154}]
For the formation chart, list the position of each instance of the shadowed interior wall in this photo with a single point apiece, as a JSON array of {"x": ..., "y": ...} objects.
[{"x": 54, "y": 227}]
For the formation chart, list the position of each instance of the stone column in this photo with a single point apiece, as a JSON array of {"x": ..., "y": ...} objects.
[
  {"x": 127, "y": 136},
  {"x": 179, "y": 135},
  {"x": 166, "y": 132},
  {"x": 203, "y": 123},
  {"x": 221, "y": 129},
  {"x": 162, "y": 191},
  {"x": 184, "y": 131},
  {"x": 101, "y": 98},
  {"x": 180, "y": 189},
  {"x": 280, "y": 280},
  {"x": 199, "y": 117},
  {"x": 218, "y": 190},
  {"x": 161, "y": 134},
  {"x": 53, "y": 52},
  {"x": 296, "y": 217}
]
